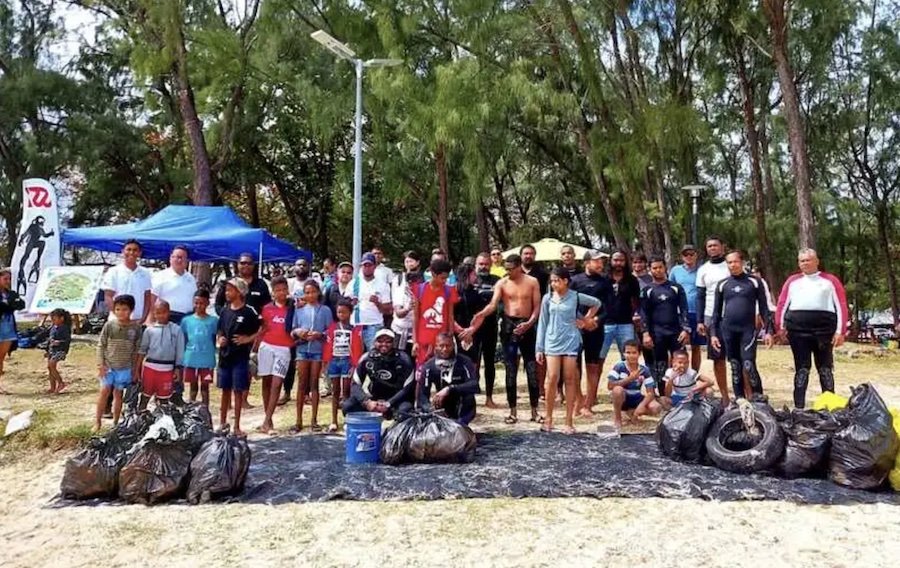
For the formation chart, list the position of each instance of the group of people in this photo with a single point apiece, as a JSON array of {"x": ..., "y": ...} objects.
[{"x": 388, "y": 341}]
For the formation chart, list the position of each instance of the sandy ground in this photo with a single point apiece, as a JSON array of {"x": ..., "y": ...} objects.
[{"x": 499, "y": 532}]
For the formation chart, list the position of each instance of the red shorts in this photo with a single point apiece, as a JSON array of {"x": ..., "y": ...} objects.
[
  {"x": 191, "y": 376},
  {"x": 158, "y": 383}
]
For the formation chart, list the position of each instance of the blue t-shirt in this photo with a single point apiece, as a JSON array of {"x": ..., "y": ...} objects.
[
  {"x": 313, "y": 318},
  {"x": 200, "y": 341},
  {"x": 687, "y": 279},
  {"x": 645, "y": 380}
]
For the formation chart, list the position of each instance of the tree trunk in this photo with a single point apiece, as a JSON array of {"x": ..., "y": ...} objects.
[
  {"x": 775, "y": 12},
  {"x": 612, "y": 216},
  {"x": 484, "y": 236},
  {"x": 252, "y": 203},
  {"x": 768, "y": 180},
  {"x": 204, "y": 191},
  {"x": 882, "y": 222},
  {"x": 759, "y": 196},
  {"x": 443, "y": 223}
]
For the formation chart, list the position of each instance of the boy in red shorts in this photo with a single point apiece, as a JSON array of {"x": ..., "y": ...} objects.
[
  {"x": 160, "y": 356},
  {"x": 199, "y": 330}
]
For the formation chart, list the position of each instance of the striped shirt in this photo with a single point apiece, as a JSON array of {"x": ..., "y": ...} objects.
[{"x": 118, "y": 344}]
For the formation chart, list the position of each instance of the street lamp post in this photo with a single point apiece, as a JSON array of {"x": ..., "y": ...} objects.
[
  {"x": 695, "y": 209},
  {"x": 344, "y": 52}
]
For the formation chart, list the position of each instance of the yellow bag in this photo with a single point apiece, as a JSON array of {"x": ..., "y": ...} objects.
[
  {"x": 894, "y": 476},
  {"x": 829, "y": 401}
]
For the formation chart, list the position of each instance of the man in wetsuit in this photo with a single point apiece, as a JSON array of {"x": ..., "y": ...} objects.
[
  {"x": 521, "y": 299},
  {"x": 454, "y": 379},
  {"x": 486, "y": 336},
  {"x": 593, "y": 283},
  {"x": 812, "y": 313},
  {"x": 384, "y": 380},
  {"x": 664, "y": 319},
  {"x": 710, "y": 273},
  {"x": 733, "y": 329}
]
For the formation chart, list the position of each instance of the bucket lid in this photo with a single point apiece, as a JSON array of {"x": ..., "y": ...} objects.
[{"x": 363, "y": 417}]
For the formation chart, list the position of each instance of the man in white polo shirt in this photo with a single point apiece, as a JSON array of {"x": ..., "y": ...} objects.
[
  {"x": 127, "y": 278},
  {"x": 175, "y": 285}
]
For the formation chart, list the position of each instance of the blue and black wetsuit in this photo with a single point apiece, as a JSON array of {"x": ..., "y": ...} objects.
[
  {"x": 664, "y": 314},
  {"x": 461, "y": 377},
  {"x": 734, "y": 323}
]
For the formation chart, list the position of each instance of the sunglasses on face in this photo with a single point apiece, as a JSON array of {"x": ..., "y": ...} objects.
[{"x": 245, "y": 262}]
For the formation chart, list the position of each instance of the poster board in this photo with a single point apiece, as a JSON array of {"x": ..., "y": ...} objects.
[{"x": 72, "y": 288}]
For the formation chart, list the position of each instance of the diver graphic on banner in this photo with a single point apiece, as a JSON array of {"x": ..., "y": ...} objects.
[{"x": 38, "y": 244}]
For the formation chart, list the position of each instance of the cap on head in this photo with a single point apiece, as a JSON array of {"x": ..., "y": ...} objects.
[
  {"x": 368, "y": 258},
  {"x": 688, "y": 248},
  {"x": 596, "y": 255},
  {"x": 345, "y": 263},
  {"x": 385, "y": 332},
  {"x": 239, "y": 285}
]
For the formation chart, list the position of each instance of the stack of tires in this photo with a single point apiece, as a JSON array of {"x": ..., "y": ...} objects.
[{"x": 854, "y": 446}]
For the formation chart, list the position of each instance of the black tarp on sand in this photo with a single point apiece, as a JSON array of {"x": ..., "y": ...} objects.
[{"x": 312, "y": 468}]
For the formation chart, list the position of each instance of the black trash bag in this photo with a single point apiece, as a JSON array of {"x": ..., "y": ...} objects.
[
  {"x": 863, "y": 452},
  {"x": 195, "y": 425},
  {"x": 808, "y": 435},
  {"x": 94, "y": 471},
  {"x": 131, "y": 398},
  {"x": 732, "y": 448},
  {"x": 428, "y": 438},
  {"x": 219, "y": 469},
  {"x": 130, "y": 430},
  {"x": 681, "y": 434},
  {"x": 156, "y": 472}
]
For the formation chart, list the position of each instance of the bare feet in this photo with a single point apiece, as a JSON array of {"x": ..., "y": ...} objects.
[
  {"x": 585, "y": 412},
  {"x": 489, "y": 403},
  {"x": 51, "y": 390},
  {"x": 568, "y": 430},
  {"x": 96, "y": 428},
  {"x": 63, "y": 387},
  {"x": 247, "y": 406},
  {"x": 546, "y": 427},
  {"x": 240, "y": 433}
]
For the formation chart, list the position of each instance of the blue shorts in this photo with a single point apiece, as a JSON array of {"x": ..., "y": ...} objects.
[
  {"x": 303, "y": 356},
  {"x": 697, "y": 340},
  {"x": 368, "y": 335},
  {"x": 678, "y": 398},
  {"x": 235, "y": 377},
  {"x": 8, "y": 328},
  {"x": 632, "y": 401},
  {"x": 118, "y": 379},
  {"x": 339, "y": 367}
]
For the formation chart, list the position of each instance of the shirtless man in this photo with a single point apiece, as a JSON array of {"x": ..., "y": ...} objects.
[{"x": 521, "y": 299}]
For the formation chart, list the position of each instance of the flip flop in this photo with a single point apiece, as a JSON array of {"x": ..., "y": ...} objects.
[
  {"x": 539, "y": 419},
  {"x": 510, "y": 419},
  {"x": 568, "y": 430},
  {"x": 315, "y": 428},
  {"x": 546, "y": 429},
  {"x": 332, "y": 428},
  {"x": 295, "y": 429}
]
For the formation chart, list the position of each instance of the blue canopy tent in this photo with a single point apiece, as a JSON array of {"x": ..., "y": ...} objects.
[{"x": 211, "y": 234}]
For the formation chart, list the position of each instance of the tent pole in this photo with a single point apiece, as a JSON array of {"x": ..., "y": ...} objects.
[{"x": 259, "y": 266}]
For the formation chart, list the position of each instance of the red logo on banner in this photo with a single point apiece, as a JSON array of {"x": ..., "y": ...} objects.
[{"x": 38, "y": 197}]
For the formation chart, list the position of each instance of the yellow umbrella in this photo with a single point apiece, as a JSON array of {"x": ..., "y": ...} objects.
[{"x": 548, "y": 250}]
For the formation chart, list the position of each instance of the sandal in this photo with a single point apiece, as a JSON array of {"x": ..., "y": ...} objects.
[
  {"x": 538, "y": 419},
  {"x": 510, "y": 419},
  {"x": 315, "y": 428},
  {"x": 295, "y": 429},
  {"x": 546, "y": 429},
  {"x": 332, "y": 428}
]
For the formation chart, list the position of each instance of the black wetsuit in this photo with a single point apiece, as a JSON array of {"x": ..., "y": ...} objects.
[
  {"x": 543, "y": 277},
  {"x": 664, "y": 315},
  {"x": 734, "y": 323},
  {"x": 461, "y": 375},
  {"x": 599, "y": 287},
  {"x": 484, "y": 342},
  {"x": 388, "y": 377}
]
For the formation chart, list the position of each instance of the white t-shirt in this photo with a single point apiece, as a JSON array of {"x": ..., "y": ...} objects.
[
  {"x": 367, "y": 313},
  {"x": 384, "y": 273},
  {"x": 175, "y": 289},
  {"x": 682, "y": 384},
  {"x": 295, "y": 285},
  {"x": 122, "y": 280},
  {"x": 708, "y": 276},
  {"x": 401, "y": 298}
]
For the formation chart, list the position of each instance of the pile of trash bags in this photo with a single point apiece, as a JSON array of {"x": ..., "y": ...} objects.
[
  {"x": 151, "y": 457},
  {"x": 854, "y": 442},
  {"x": 427, "y": 437}
]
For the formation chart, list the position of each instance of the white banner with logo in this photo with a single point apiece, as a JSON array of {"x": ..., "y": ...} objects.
[{"x": 38, "y": 243}]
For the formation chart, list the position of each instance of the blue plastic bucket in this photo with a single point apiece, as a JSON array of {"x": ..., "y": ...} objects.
[{"x": 363, "y": 437}]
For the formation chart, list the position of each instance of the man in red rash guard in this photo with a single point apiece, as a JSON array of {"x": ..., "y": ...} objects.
[{"x": 812, "y": 312}]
